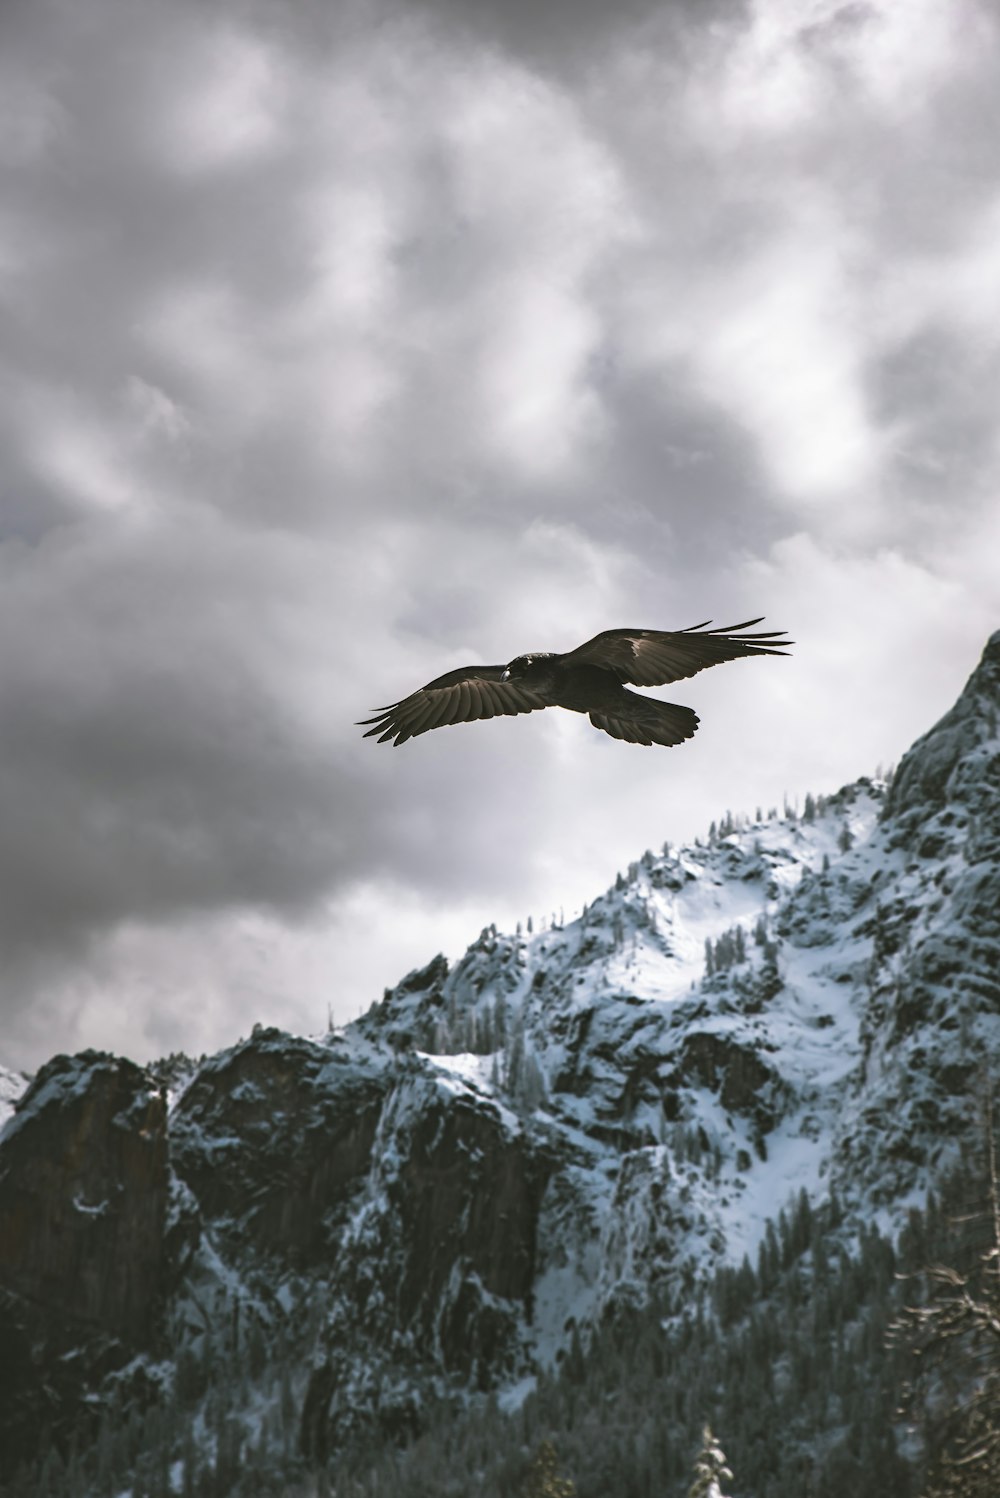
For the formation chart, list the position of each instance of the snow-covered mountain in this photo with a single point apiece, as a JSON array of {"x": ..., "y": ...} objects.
[
  {"x": 442, "y": 1194},
  {"x": 12, "y": 1085}
]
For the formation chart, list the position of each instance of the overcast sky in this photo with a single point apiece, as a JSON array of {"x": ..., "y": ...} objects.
[{"x": 345, "y": 344}]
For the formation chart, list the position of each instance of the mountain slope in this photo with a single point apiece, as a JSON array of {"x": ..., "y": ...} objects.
[{"x": 439, "y": 1197}]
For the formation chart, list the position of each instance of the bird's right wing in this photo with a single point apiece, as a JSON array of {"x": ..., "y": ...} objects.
[
  {"x": 654, "y": 657},
  {"x": 457, "y": 697}
]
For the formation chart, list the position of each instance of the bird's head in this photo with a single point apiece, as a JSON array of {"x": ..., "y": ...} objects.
[
  {"x": 516, "y": 669},
  {"x": 524, "y": 666}
]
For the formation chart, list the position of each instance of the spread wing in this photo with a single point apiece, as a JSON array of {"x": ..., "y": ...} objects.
[
  {"x": 457, "y": 697},
  {"x": 653, "y": 657}
]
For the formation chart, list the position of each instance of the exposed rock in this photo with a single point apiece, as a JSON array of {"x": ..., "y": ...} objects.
[
  {"x": 444, "y": 1249},
  {"x": 83, "y": 1204},
  {"x": 83, "y": 1195},
  {"x": 745, "y": 1083},
  {"x": 954, "y": 766},
  {"x": 273, "y": 1137}
]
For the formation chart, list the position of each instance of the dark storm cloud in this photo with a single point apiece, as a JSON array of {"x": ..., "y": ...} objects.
[
  {"x": 567, "y": 36},
  {"x": 343, "y": 346},
  {"x": 150, "y": 761}
]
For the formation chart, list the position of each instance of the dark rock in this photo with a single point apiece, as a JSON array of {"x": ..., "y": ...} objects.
[
  {"x": 84, "y": 1189},
  {"x": 423, "y": 979},
  {"x": 937, "y": 769},
  {"x": 744, "y": 1082},
  {"x": 469, "y": 1193},
  {"x": 83, "y": 1194},
  {"x": 272, "y": 1138}
]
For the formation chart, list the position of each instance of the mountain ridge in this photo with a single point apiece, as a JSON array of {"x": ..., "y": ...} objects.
[{"x": 561, "y": 1125}]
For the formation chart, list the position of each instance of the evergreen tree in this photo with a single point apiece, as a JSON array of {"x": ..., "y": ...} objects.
[
  {"x": 710, "y": 1468},
  {"x": 543, "y": 1479},
  {"x": 953, "y": 1338}
]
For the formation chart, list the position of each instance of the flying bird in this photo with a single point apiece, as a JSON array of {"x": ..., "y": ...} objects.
[{"x": 589, "y": 679}]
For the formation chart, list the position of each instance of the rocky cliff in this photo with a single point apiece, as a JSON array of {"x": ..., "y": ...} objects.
[
  {"x": 84, "y": 1186},
  {"x": 438, "y": 1197}
]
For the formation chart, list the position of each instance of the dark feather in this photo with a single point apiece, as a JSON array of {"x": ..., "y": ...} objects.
[
  {"x": 652, "y": 657},
  {"x": 644, "y": 720},
  {"x": 461, "y": 696}
]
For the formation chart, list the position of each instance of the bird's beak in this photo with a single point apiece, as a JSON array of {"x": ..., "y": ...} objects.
[{"x": 505, "y": 674}]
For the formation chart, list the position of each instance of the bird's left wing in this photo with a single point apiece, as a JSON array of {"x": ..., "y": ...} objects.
[
  {"x": 457, "y": 697},
  {"x": 653, "y": 657}
]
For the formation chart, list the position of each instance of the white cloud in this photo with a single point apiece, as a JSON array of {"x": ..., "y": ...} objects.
[
  {"x": 228, "y": 100},
  {"x": 76, "y": 450},
  {"x": 885, "y": 644},
  {"x": 342, "y": 353},
  {"x": 537, "y": 408},
  {"x": 904, "y": 53},
  {"x": 156, "y": 414}
]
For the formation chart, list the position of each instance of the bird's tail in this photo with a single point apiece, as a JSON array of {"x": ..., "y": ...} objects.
[{"x": 645, "y": 720}]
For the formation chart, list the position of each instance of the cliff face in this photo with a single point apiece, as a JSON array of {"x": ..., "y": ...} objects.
[
  {"x": 273, "y": 1138},
  {"x": 952, "y": 772},
  {"x": 83, "y": 1204},
  {"x": 932, "y": 1016},
  {"x": 434, "y": 1198}
]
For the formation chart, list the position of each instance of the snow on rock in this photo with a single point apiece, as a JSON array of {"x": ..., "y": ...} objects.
[
  {"x": 12, "y": 1085},
  {"x": 440, "y": 1195}
]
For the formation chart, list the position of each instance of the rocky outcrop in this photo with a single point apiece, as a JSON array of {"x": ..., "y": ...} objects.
[
  {"x": 273, "y": 1138},
  {"x": 446, "y": 1241},
  {"x": 83, "y": 1204},
  {"x": 83, "y": 1195},
  {"x": 744, "y": 1082},
  {"x": 931, "y": 1025},
  {"x": 952, "y": 773}
]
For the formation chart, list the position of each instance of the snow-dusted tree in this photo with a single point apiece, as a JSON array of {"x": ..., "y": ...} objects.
[
  {"x": 953, "y": 1337},
  {"x": 710, "y": 1468},
  {"x": 543, "y": 1479},
  {"x": 530, "y": 1092}
]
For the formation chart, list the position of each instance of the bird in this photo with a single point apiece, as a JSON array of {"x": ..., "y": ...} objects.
[{"x": 590, "y": 679}]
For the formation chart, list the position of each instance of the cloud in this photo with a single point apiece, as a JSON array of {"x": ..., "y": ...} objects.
[{"x": 346, "y": 346}]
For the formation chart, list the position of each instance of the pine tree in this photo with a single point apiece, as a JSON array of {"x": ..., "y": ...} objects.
[
  {"x": 710, "y": 1468},
  {"x": 953, "y": 1338},
  {"x": 543, "y": 1479}
]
